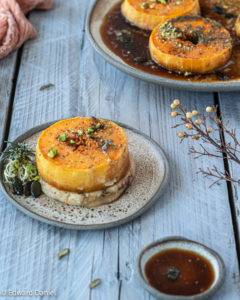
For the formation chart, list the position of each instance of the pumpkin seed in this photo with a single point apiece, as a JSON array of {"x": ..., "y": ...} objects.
[
  {"x": 46, "y": 86},
  {"x": 63, "y": 253},
  {"x": 95, "y": 283}
]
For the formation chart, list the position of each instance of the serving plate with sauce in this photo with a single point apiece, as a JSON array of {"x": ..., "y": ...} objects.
[
  {"x": 126, "y": 47},
  {"x": 178, "y": 268},
  {"x": 150, "y": 180}
]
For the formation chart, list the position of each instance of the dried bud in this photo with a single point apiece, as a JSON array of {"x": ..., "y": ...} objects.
[
  {"x": 173, "y": 106},
  {"x": 176, "y": 102},
  {"x": 195, "y": 112},
  {"x": 174, "y": 114},
  {"x": 181, "y": 134},
  {"x": 189, "y": 115},
  {"x": 210, "y": 109},
  {"x": 189, "y": 126},
  {"x": 209, "y": 129},
  {"x": 198, "y": 121},
  {"x": 196, "y": 137}
]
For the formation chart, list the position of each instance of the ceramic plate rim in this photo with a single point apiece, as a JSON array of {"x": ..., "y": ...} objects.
[
  {"x": 227, "y": 86},
  {"x": 61, "y": 224}
]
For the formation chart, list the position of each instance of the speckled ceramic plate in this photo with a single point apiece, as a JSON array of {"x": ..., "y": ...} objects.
[
  {"x": 150, "y": 179},
  {"x": 94, "y": 21}
]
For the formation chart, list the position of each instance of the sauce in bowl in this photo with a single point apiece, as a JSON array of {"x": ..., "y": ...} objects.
[{"x": 179, "y": 272}]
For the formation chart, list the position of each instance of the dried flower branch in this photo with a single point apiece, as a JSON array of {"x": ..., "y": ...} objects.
[{"x": 197, "y": 128}]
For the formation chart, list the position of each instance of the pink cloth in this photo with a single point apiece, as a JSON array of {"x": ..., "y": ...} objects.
[
  {"x": 15, "y": 28},
  {"x": 27, "y": 5}
]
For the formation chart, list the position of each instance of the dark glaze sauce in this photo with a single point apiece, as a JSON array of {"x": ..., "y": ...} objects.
[
  {"x": 179, "y": 272},
  {"x": 131, "y": 45}
]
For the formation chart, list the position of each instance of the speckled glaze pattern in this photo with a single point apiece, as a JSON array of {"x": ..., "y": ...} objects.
[
  {"x": 150, "y": 178},
  {"x": 95, "y": 17}
]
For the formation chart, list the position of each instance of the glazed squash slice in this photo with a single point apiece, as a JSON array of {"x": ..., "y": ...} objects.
[
  {"x": 190, "y": 44},
  {"x": 84, "y": 161},
  {"x": 147, "y": 14},
  {"x": 81, "y": 163}
]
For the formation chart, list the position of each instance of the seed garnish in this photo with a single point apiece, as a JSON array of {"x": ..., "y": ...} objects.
[
  {"x": 46, "y": 86},
  {"x": 52, "y": 153},
  {"x": 63, "y": 253},
  {"x": 95, "y": 283}
]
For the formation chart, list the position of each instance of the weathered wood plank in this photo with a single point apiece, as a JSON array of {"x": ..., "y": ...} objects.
[
  {"x": 189, "y": 208},
  {"x": 29, "y": 247},
  {"x": 7, "y": 69},
  {"x": 230, "y": 108},
  {"x": 85, "y": 84}
]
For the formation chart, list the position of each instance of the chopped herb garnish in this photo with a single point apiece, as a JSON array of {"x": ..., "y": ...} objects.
[
  {"x": 99, "y": 126},
  {"x": 162, "y": 1},
  {"x": 80, "y": 133},
  {"x": 18, "y": 152},
  {"x": 72, "y": 142},
  {"x": 62, "y": 137},
  {"x": 52, "y": 153},
  {"x": 145, "y": 5},
  {"x": 95, "y": 283},
  {"x": 90, "y": 130},
  {"x": 19, "y": 167},
  {"x": 168, "y": 31},
  {"x": 63, "y": 253}
]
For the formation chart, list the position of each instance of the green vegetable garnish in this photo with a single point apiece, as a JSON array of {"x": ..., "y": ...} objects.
[
  {"x": 168, "y": 31},
  {"x": 72, "y": 142},
  {"x": 52, "y": 153},
  {"x": 162, "y": 1},
  {"x": 145, "y": 5},
  {"x": 62, "y": 137},
  {"x": 80, "y": 133},
  {"x": 90, "y": 130},
  {"x": 19, "y": 164},
  {"x": 63, "y": 253}
]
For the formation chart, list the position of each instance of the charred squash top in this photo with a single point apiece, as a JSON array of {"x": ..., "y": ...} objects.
[
  {"x": 82, "y": 142},
  {"x": 161, "y": 7},
  {"x": 192, "y": 36}
]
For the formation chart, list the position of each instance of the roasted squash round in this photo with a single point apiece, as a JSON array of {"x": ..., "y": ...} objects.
[
  {"x": 83, "y": 155},
  {"x": 190, "y": 44},
  {"x": 147, "y": 14}
]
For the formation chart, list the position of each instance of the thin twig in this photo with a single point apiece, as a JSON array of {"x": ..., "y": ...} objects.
[{"x": 225, "y": 147}]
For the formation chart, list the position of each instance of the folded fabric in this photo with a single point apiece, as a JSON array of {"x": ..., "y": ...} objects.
[
  {"x": 27, "y": 5},
  {"x": 15, "y": 28}
]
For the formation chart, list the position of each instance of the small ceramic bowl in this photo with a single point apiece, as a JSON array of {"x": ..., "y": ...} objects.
[{"x": 184, "y": 244}]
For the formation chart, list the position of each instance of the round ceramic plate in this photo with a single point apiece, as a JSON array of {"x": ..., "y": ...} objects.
[
  {"x": 147, "y": 186},
  {"x": 94, "y": 21}
]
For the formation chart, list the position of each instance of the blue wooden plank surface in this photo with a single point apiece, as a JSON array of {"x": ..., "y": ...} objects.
[
  {"x": 7, "y": 74},
  {"x": 86, "y": 85}
]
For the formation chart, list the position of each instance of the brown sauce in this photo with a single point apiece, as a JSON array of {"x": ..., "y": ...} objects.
[
  {"x": 131, "y": 45},
  {"x": 179, "y": 272}
]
